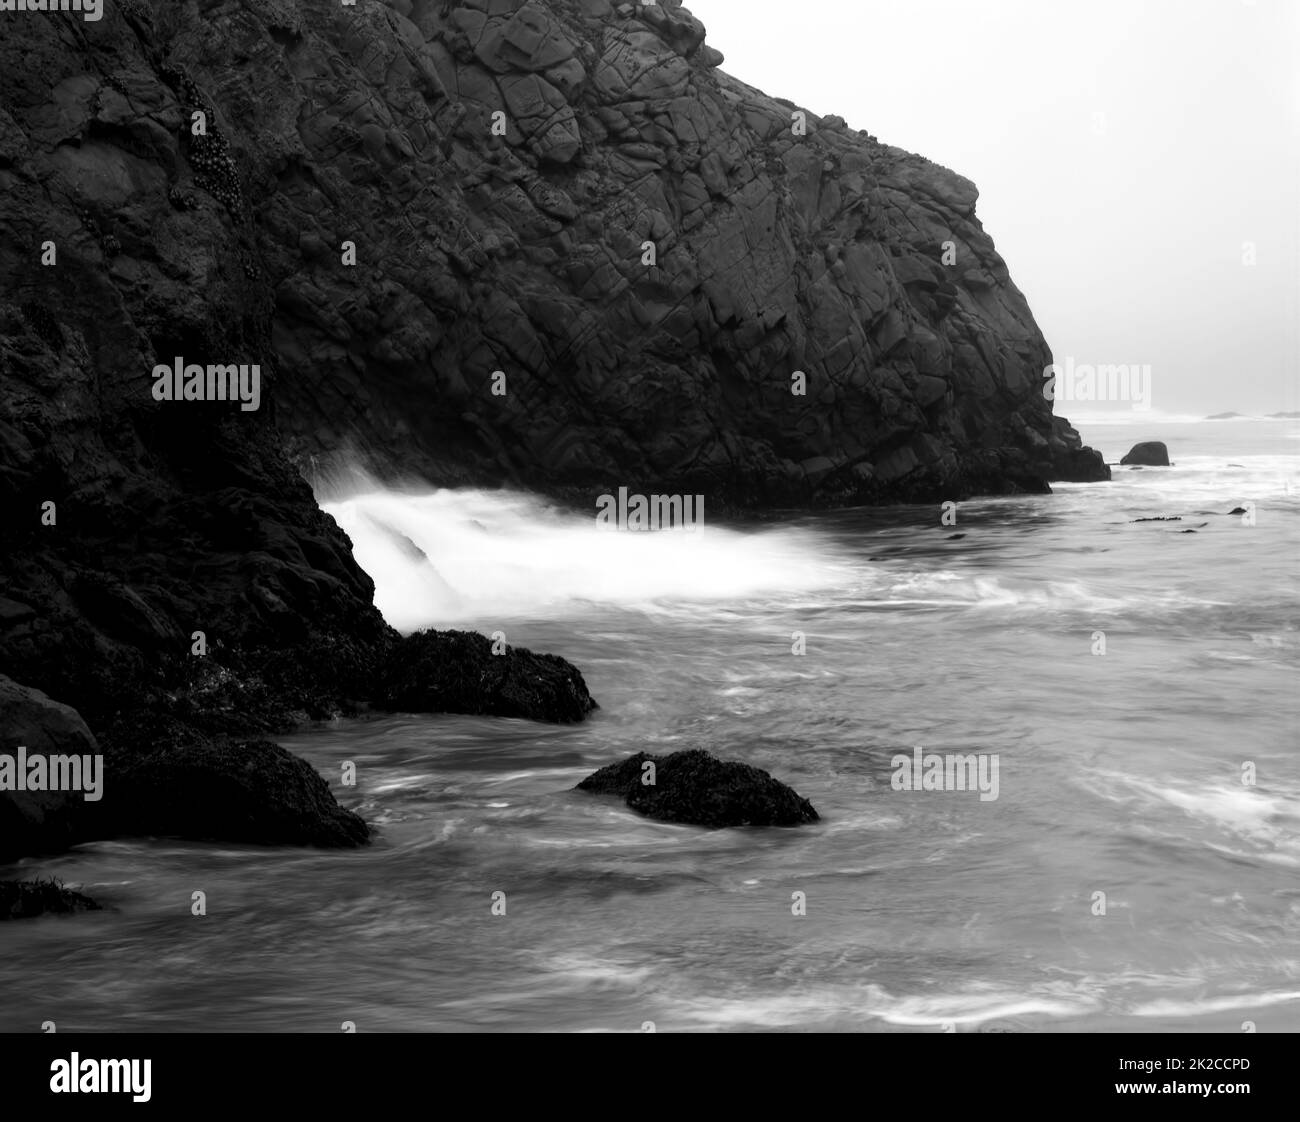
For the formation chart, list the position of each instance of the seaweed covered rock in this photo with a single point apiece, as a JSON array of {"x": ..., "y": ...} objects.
[
  {"x": 456, "y": 672},
  {"x": 697, "y": 788},
  {"x": 23, "y": 899}
]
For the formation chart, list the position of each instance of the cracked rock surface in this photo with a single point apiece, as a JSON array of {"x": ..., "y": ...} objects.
[{"x": 506, "y": 171}]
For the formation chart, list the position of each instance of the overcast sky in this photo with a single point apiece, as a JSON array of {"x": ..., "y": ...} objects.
[{"x": 1124, "y": 152}]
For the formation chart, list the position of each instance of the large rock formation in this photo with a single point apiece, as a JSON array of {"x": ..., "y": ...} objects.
[{"x": 652, "y": 254}]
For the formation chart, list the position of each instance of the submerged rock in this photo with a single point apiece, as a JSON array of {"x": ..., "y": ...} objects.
[
  {"x": 456, "y": 672},
  {"x": 697, "y": 788},
  {"x": 1150, "y": 453},
  {"x": 23, "y": 899}
]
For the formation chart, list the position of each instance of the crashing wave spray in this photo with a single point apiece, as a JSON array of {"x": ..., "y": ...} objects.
[{"x": 452, "y": 555}]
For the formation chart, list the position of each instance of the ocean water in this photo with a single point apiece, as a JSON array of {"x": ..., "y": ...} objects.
[{"x": 1121, "y": 774}]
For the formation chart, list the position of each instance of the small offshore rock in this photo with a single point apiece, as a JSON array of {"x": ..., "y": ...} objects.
[
  {"x": 695, "y": 787},
  {"x": 1149, "y": 453}
]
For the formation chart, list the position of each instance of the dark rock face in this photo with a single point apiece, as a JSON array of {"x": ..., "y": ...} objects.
[
  {"x": 35, "y": 821},
  {"x": 696, "y": 788},
  {"x": 650, "y": 254},
  {"x": 23, "y": 899},
  {"x": 231, "y": 790},
  {"x": 1150, "y": 453},
  {"x": 456, "y": 672},
  {"x": 161, "y": 775}
]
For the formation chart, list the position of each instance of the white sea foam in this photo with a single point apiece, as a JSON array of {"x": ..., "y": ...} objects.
[
  {"x": 1152, "y": 418},
  {"x": 445, "y": 556},
  {"x": 974, "y": 1008},
  {"x": 821, "y": 1004},
  {"x": 953, "y": 589},
  {"x": 439, "y": 556},
  {"x": 1169, "y": 1007},
  {"x": 1268, "y": 823},
  {"x": 1212, "y": 481}
]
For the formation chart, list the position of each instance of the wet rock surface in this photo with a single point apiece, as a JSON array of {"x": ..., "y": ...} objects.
[
  {"x": 228, "y": 790},
  {"x": 33, "y": 821},
  {"x": 457, "y": 672},
  {"x": 696, "y": 788},
  {"x": 1149, "y": 453}
]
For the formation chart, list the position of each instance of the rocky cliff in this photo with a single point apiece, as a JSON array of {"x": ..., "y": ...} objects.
[
  {"x": 547, "y": 243},
  {"x": 683, "y": 283}
]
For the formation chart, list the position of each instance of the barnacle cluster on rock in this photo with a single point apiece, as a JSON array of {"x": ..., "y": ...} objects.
[
  {"x": 110, "y": 246},
  {"x": 214, "y": 170},
  {"x": 209, "y": 153}
]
